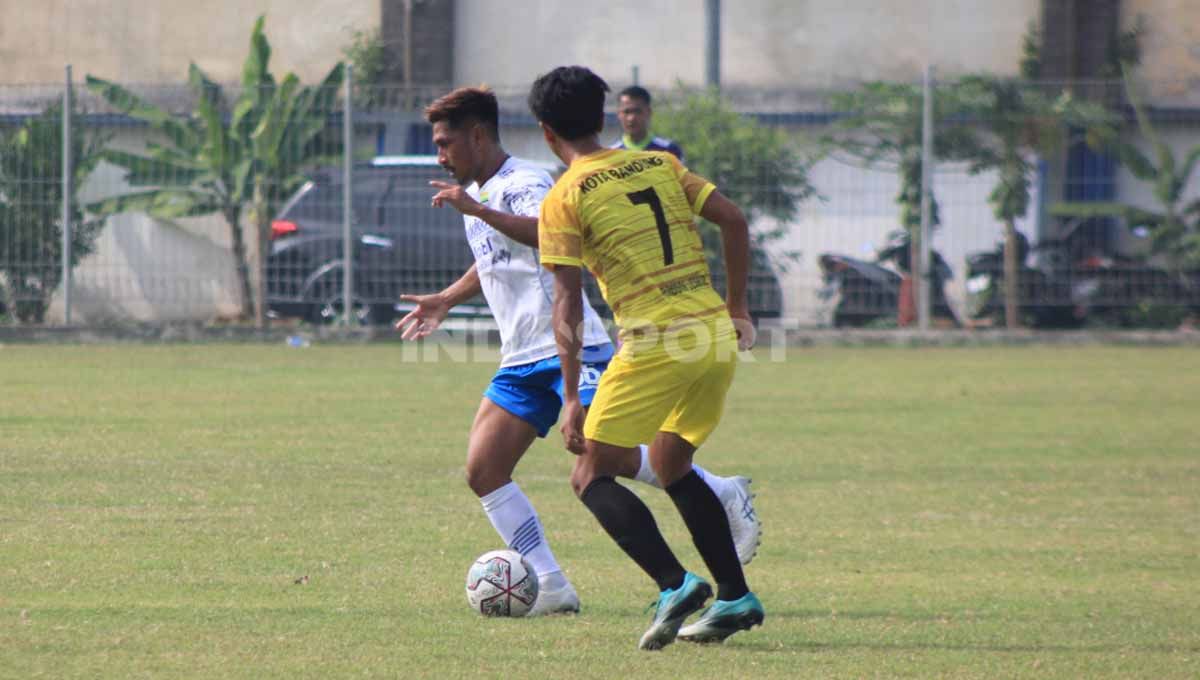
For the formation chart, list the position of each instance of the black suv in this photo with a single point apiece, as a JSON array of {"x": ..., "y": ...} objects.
[{"x": 402, "y": 244}]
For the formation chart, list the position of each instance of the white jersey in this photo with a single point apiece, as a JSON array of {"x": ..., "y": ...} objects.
[{"x": 519, "y": 291}]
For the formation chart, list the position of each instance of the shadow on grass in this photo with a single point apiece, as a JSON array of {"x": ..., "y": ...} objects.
[
  {"x": 864, "y": 615},
  {"x": 750, "y": 645}
]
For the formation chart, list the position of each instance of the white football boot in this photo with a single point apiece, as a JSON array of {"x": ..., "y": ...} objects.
[
  {"x": 562, "y": 600},
  {"x": 743, "y": 521}
]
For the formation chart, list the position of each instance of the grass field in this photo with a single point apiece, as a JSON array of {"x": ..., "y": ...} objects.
[{"x": 988, "y": 513}]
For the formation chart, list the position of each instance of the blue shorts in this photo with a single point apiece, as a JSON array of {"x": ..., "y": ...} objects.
[{"x": 533, "y": 392}]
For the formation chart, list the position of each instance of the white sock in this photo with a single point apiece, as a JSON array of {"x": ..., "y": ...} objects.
[
  {"x": 517, "y": 523},
  {"x": 646, "y": 474}
]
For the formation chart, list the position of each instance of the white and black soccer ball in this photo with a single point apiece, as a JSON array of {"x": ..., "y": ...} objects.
[{"x": 502, "y": 583}]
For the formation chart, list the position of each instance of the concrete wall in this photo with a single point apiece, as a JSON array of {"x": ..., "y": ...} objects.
[
  {"x": 152, "y": 41},
  {"x": 147, "y": 269},
  {"x": 1170, "y": 48},
  {"x": 769, "y": 43}
]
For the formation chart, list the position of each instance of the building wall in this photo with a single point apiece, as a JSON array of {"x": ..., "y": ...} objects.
[
  {"x": 1170, "y": 48},
  {"x": 152, "y": 41},
  {"x": 767, "y": 43},
  {"x": 771, "y": 43}
]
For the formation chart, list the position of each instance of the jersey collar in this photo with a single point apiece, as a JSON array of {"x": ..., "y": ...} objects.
[{"x": 637, "y": 146}]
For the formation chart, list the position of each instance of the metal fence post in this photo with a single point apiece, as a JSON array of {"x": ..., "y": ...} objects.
[
  {"x": 347, "y": 197},
  {"x": 67, "y": 106},
  {"x": 712, "y": 44},
  {"x": 922, "y": 268}
]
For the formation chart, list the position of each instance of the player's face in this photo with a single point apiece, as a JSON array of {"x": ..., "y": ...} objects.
[
  {"x": 634, "y": 115},
  {"x": 456, "y": 151}
]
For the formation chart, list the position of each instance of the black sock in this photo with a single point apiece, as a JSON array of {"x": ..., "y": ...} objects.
[
  {"x": 706, "y": 520},
  {"x": 627, "y": 519}
]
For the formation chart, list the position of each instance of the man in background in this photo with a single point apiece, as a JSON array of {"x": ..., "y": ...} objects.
[{"x": 634, "y": 113}]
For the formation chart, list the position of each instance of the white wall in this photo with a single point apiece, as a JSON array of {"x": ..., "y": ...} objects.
[
  {"x": 153, "y": 271},
  {"x": 769, "y": 43},
  {"x": 146, "y": 269},
  {"x": 152, "y": 41},
  {"x": 1170, "y": 48},
  {"x": 861, "y": 212}
]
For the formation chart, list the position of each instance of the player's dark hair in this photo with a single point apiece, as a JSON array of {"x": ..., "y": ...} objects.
[
  {"x": 636, "y": 92},
  {"x": 570, "y": 100},
  {"x": 474, "y": 104}
]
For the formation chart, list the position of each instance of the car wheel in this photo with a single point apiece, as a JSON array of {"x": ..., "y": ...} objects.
[
  {"x": 330, "y": 312},
  {"x": 328, "y": 306}
]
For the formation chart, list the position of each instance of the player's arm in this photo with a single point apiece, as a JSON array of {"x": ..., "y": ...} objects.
[
  {"x": 466, "y": 287},
  {"x": 561, "y": 238},
  {"x": 713, "y": 206},
  {"x": 432, "y": 309},
  {"x": 520, "y": 228},
  {"x": 568, "y": 319},
  {"x": 735, "y": 244},
  {"x": 517, "y": 227}
]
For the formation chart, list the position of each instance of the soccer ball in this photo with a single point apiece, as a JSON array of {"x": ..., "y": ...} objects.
[{"x": 501, "y": 583}]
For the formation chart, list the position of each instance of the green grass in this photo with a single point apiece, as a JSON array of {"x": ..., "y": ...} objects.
[{"x": 1023, "y": 512}]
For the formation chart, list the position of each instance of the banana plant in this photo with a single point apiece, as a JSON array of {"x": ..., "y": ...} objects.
[
  {"x": 227, "y": 157},
  {"x": 1175, "y": 227},
  {"x": 1017, "y": 118}
]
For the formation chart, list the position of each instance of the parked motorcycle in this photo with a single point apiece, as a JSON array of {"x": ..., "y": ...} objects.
[
  {"x": 1065, "y": 283},
  {"x": 1048, "y": 298},
  {"x": 863, "y": 292}
]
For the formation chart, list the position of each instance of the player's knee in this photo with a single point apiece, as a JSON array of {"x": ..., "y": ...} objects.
[
  {"x": 581, "y": 476},
  {"x": 484, "y": 480}
]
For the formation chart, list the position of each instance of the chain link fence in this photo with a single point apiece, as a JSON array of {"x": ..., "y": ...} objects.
[{"x": 206, "y": 203}]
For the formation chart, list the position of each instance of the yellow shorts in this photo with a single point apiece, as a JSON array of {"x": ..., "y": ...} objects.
[{"x": 680, "y": 391}]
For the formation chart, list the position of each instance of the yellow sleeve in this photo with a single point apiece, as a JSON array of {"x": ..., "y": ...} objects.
[
  {"x": 696, "y": 188},
  {"x": 560, "y": 237}
]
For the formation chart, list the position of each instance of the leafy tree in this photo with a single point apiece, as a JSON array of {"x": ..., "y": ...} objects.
[
  {"x": 368, "y": 53},
  {"x": 31, "y": 198},
  {"x": 1175, "y": 227},
  {"x": 228, "y": 156},
  {"x": 1016, "y": 117},
  {"x": 758, "y": 167},
  {"x": 882, "y": 124}
]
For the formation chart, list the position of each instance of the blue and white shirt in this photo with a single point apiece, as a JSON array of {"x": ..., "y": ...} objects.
[{"x": 519, "y": 291}]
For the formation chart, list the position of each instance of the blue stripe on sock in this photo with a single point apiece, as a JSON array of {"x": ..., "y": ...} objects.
[{"x": 527, "y": 536}]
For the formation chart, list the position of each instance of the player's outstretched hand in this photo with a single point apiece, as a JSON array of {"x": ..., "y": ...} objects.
[
  {"x": 455, "y": 196},
  {"x": 572, "y": 427},
  {"x": 425, "y": 319}
]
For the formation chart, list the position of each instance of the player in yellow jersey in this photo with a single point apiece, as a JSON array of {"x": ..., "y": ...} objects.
[{"x": 628, "y": 216}]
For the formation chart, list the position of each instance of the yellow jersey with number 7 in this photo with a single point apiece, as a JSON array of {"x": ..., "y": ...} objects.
[{"x": 628, "y": 216}]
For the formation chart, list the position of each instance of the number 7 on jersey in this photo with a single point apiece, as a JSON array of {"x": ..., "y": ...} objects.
[{"x": 649, "y": 197}]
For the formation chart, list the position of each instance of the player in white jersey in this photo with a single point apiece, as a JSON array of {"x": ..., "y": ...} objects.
[{"x": 499, "y": 197}]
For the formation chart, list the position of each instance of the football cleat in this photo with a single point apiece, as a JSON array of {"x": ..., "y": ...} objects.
[
  {"x": 559, "y": 601},
  {"x": 725, "y": 618},
  {"x": 673, "y": 607},
  {"x": 743, "y": 521}
]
